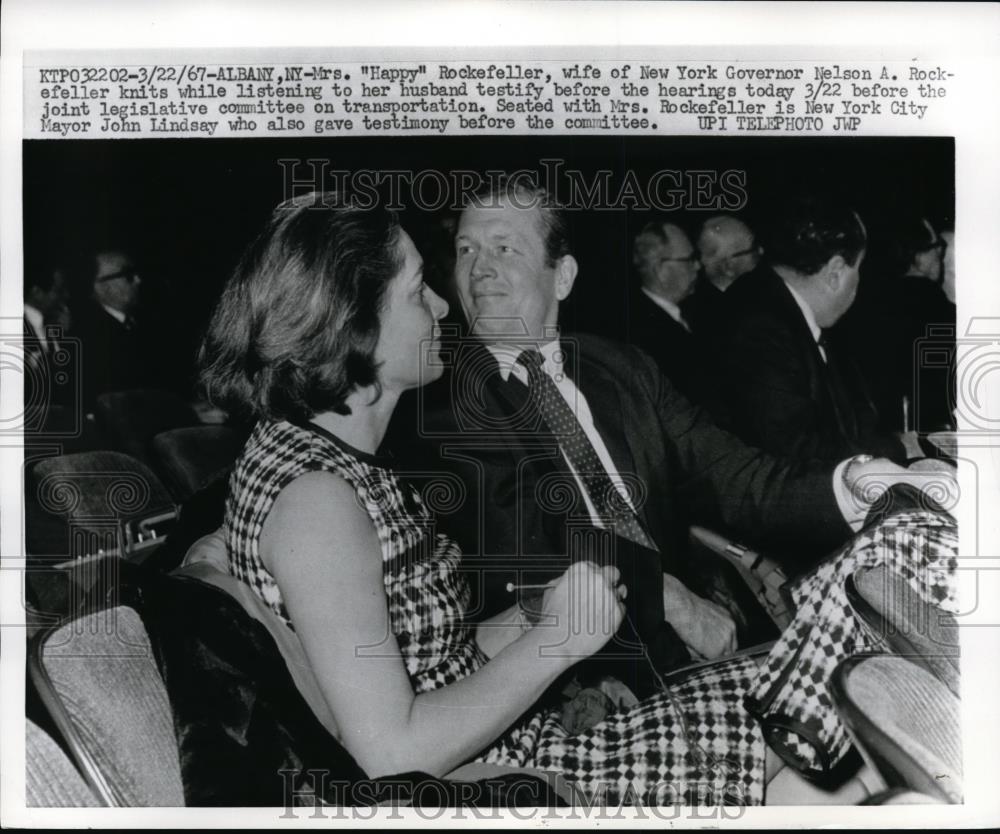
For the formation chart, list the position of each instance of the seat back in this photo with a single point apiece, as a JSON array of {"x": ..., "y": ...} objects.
[
  {"x": 190, "y": 458},
  {"x": 904, "y": 721},
  {"x": 97, "y": 677},
  {"x": 131, "y": 419},
  {"x": 101, "y": 502},
  {"x": 50, "y": 779},
  {"x": 895, "y": 614}
]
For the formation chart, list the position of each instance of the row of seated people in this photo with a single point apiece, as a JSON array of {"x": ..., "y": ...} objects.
[
  {"x": 787, "y": 344},
  {"x": 93, "y": 328},
  {"x": 337, "y": 541}
]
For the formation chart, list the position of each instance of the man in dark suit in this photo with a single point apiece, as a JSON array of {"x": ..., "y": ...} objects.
[
  {"x": 565, "y": 445},
  {"x": 49, "y": 378},
  {"x": 786, "y": 386},
  {"x": 727, "y": 249},
  {"x": 666, "y": 266},
  {"x": 115, "y": 350}
]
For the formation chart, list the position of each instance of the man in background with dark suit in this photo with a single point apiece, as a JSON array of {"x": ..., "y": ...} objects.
[
  {"x": 46, "y": 311},
  {"x": 728, "y": 250},
  {"x": 784, "y": 384},
  {"x": 114, "y": 349},
  {"x": 47, "y": 323},
  {"x": 666, "y": 266}
]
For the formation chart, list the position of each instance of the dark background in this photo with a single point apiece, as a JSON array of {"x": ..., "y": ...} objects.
[{"x": 185, "y": 209}]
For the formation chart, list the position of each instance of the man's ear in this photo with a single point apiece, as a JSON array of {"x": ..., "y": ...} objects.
[
  {"x": 834, "y": 272},
  {"x": 566, "y": 269}
]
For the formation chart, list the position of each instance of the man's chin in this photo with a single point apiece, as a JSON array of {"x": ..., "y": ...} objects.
[{"x": 498, "y": 327}]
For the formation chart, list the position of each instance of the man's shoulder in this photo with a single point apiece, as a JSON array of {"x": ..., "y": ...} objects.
[
  {"x": 617, "y": 363},
  {"x": 602, "y": 350},
  {"x": 94, "y": 318},
  {"x": 759, "y": 303}
]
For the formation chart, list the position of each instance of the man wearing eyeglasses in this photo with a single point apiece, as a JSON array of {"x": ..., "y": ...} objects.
[
  {"x": 728, "y": 250},
  {"x": 666, "y": 265},
  {"x": 113, "y": 351}
]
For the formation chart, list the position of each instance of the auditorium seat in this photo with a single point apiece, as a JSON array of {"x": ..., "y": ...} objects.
[
  {"x": 50, "y": 778},
  {"x": 97, "y": 678},
  {"x": 129, "y": 420},
  {"x": 904, "y": 721},
  {"x": 192, "y": 457}
]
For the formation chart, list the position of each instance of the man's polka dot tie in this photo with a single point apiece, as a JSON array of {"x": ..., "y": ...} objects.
[{"x": 612, "y": 508}]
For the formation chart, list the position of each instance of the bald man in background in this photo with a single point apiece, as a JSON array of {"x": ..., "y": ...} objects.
[
  {"x": 728, "y": 250},
  {"x": 666, "y": 266}
]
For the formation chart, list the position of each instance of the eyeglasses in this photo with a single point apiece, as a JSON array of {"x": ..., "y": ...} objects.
[
  {"x": 749, "y": 251},
  {"x": 130, "y": 274}
]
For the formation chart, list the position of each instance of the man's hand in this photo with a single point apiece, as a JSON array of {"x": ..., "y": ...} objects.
[{"x": 706, "y": 628}]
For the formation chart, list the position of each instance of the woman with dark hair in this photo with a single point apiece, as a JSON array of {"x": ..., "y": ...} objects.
[{"x": 325, "y": 323}]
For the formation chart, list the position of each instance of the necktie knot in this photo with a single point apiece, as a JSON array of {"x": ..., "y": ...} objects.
[{"x": 531, "y": 360}]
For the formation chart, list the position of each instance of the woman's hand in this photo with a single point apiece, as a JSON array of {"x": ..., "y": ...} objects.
[{"x": 583, "y": 609}]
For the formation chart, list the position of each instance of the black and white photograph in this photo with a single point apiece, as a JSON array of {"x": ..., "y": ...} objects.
[{"x": 459, "y": 470}]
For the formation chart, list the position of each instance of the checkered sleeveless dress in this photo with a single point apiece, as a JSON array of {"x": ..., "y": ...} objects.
[{"x": 695, "y": 744}]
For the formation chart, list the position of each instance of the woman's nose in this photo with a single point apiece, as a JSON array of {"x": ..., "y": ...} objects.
[{"x": 440, "y": 307}]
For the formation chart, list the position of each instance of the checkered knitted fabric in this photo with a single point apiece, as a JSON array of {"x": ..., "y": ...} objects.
[
  {"x": 697, "y": 744},
  {"x": 790, "y": 695},
  {"x": 425, "y": 591}
]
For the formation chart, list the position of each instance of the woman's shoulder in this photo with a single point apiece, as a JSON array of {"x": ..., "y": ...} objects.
[
  {"x": 319, "y": 500},
  {"x": 289, "y": 449}
]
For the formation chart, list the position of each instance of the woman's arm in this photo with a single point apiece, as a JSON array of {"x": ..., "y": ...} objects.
[
  {"x": 498, "y": 632},
  {"x": 324, "y": 553}
]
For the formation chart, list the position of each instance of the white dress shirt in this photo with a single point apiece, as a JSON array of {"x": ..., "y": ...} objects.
[
  {"x": 810, "y": 318},
  {"x": 117, "y": 315},
  {"x": 37, "y": 322},
  {"x": 668, "y": 307}
]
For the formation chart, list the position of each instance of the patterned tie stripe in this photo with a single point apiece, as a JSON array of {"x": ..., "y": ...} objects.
[{"x": 562, "y": 422}]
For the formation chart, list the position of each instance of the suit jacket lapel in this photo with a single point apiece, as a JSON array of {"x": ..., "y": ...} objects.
[
  {"x": 605, "y": 400},
  {"x": 516, "y": 423},
  {"x": 823, "y": 377}
]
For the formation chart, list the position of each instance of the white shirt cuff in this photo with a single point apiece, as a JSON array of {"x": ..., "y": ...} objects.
[{"x": 853, "y": 510}]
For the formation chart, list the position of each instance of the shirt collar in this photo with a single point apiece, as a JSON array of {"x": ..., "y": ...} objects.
[
  {"x": 807, "y": 313},
  {"x": 506, "y": 356},
  {"x": 668, "y": 307},
  {"x": 117, "y": 315},
  {"x": 35, "y": 319}
]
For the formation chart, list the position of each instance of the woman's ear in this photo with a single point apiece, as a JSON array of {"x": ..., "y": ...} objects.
[{"x": 566, "y": 269}]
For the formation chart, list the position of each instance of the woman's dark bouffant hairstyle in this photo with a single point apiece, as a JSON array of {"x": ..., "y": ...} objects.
[{"x": 296, "y": 328}]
